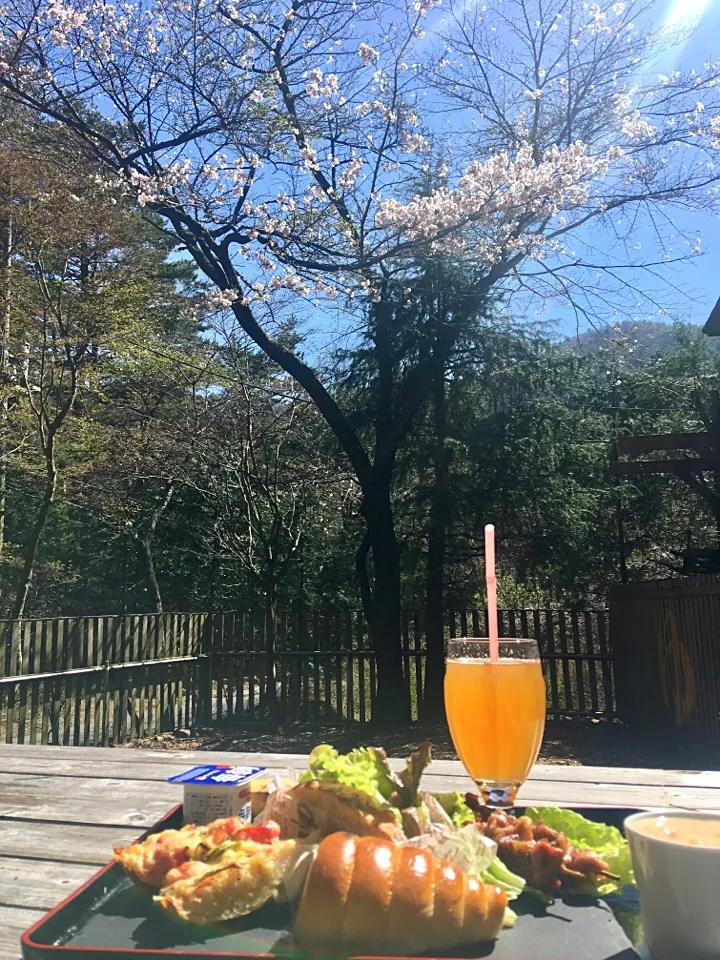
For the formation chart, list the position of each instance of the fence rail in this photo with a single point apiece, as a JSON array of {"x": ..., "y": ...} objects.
[{"x": 100, "y": 680}]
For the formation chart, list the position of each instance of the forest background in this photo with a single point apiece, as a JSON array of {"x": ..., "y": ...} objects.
[
  {"x": 154, "y": 460},
  {"x": 273, "y": 284}
]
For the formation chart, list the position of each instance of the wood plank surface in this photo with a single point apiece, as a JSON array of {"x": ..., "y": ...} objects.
[
  {"x": 102, "y": 801},
  {"x": 14, "y": 921},
  {"x": 134, "y": 764},
  {"x": 118, "y": 802},
  {"x": 73, "y": 843},
  {"x": 43, "y": 885}
]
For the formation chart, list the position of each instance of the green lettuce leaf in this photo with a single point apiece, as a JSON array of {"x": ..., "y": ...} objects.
[
  {"x": 455, "y": 807},
  {"x": 498, "y": 875},
  {"x": 607, "y": 842},
  {"x": 365, "y": 769}
]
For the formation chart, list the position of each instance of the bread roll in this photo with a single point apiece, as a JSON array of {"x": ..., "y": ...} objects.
[
  {"x": 314, "y": 810},
  {"x": 365, "y": 894}
]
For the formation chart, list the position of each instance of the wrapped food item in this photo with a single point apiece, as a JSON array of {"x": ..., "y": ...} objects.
[
  {"x": 474, "y": 853},
  {"x": 263, "y": 787},
  {"x": 219, "y": 871},
  {"x": 316, "y": 809},
  {"x": 367, "y": 769},
  {"x": 357, "y": 792}
]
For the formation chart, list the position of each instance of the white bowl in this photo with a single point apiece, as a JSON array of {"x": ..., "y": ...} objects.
[{"x": 679, "y": 889}]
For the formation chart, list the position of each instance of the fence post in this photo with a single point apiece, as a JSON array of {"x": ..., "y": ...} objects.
[
  {"x": 106, "y": 704},
  {"x": 205, "y": 673},
  {"x": 204, "y": 711}
]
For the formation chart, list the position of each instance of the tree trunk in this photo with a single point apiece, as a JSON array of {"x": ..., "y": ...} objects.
[
  {"x": 23, "y": 590},
  {"x": 268, "y": 700},
  {"x": 433, "y": 703},
  {"x": 5, "y": 255},
  {"x": 145, "y": 547},
  {"x": 392, "y": 702}
]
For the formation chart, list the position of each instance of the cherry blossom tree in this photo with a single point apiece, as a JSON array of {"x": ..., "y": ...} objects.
[
  {"x": 289, "y": 145},
  {"x": 569, "y": 92}
]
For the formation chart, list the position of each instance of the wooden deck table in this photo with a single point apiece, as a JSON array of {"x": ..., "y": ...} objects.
[{"x": 63, "y": 808}]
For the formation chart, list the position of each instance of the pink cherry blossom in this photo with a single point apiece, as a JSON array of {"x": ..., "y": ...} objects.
[
  {"x": 368, "y": 55},
  {"x": 319, "y": 190}
]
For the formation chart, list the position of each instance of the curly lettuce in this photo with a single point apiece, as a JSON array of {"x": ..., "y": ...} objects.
[
  {"x": 365, "y": 769},
  {"x": 606, "y": 841},
  {"x": 455, "y": 807}
]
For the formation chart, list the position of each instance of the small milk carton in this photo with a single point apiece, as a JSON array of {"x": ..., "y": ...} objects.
[{"x": 216, "y": 790}]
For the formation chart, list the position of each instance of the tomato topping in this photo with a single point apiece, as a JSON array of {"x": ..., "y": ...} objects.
[
  {"x": 168, "y": 857},
  {"x": 259, "y": 832},
  {"x": 223, "y": 829}
]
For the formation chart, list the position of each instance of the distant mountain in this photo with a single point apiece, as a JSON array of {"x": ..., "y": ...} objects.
[{"x": 640, "y": 339}]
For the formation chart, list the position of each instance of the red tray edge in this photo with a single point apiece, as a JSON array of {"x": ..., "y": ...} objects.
[{"x": 26, "y": 938}]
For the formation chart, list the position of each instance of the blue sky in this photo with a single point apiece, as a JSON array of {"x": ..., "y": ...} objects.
[{"x": 699, "y": 279}]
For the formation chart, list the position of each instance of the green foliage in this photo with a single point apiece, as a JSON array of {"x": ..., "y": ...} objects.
[
  {"x": 531, "y": 428},
  {"x": 192, "y": 473}
]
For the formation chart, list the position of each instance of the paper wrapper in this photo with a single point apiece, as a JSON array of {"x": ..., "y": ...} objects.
[
  {"x": 278, "y": 806},
  {"x": 264, "y": 787},
  {"x": 466, "y": 848},
  {"x": 283, "y": 807},
  {"x": 295, "y": 876}
]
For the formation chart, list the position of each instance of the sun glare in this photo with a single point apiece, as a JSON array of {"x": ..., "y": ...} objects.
[{"x": 685, "y": 13}]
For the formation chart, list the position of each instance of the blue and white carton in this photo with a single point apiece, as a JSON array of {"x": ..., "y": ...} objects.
[{"x": 212, "y": 791}]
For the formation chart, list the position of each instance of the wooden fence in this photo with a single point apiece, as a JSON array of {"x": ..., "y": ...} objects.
[{"x": 100, "y": 680}]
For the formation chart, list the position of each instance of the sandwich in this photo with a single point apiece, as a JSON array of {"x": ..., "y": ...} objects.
[{"x": 356, "y": 793}]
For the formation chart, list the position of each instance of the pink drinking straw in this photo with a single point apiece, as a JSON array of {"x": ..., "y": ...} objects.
[{"x": 491, "y": 581}]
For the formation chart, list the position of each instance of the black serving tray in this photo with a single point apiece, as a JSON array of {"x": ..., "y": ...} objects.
[{"x": 109, "y": 918}]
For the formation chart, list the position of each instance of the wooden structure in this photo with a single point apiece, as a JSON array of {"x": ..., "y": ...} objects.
[
  {"x": 67, "y": 807},
  {"x": 692, "y": 469},
  {"x": 700, "y": 443},
  {"x": 101, "y": 680},
  {"x": 667, "y": 659}
]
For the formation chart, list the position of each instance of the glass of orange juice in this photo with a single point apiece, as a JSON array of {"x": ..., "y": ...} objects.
[{"x": 496, "y": 712}]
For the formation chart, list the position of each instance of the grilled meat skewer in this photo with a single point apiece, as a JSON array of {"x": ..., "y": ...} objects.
[{"x": 543, "y": 857}]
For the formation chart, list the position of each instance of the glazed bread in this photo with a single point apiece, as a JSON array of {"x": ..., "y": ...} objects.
[{"x": 365, "y": 894}]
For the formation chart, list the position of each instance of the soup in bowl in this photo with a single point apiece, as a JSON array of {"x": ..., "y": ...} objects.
[
  {"x": 676, "y": 859},
  {"x": 691, "y": 830}
]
